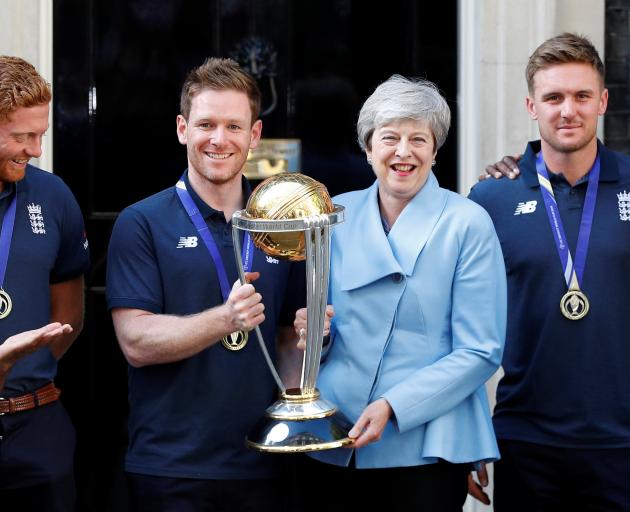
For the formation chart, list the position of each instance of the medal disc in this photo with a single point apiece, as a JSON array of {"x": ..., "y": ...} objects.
[
  {"x": 5, "y": 304},
  {"x": 235, "y": 341},
  {"x": 574, "y": 305}
]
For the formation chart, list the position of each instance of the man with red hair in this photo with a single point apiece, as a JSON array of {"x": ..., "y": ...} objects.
[{"x": 43, "y": 256}]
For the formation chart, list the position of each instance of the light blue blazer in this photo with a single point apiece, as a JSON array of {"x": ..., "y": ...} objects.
[{"x": 420, "y": 320}]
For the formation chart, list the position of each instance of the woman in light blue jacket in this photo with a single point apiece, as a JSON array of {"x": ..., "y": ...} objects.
[{"x": 418, "y": 288}]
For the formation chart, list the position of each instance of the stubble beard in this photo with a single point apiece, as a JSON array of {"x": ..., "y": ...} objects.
[
  {"x": 8, "y": 175},
  {"x": 569, "y": 146}
]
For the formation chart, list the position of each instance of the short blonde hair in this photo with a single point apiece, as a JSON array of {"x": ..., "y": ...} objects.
[{"x": 563, "y": 49}]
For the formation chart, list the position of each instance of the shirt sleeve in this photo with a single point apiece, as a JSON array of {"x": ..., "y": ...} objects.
[
  {"x": 133, "y": 274},
  {"x": 73, "y": 257}
]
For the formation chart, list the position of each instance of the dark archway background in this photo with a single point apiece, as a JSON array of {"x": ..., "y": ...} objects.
[
  {"x": 119, "y": 66},
  {"x": 617, "y": 119}
]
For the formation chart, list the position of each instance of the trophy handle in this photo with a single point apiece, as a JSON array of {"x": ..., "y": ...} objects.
[{"x": 259, "y": 337}]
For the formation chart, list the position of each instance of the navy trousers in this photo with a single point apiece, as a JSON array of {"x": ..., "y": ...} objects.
[
  {"x": 36, "y": 460},
  {"x": 164, "y": 494},
  {"x": 439, "y": 487},
  {"x": 537, "y": 478}
]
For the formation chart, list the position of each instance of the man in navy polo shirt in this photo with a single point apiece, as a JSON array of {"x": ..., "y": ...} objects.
[
  {"x": 43, "y": 256},
  {"x": 563, "y": 406},
  {"x": 196, "y": 386}
]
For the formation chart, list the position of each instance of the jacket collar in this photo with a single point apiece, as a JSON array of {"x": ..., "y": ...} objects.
[
  {"x": 369, "y": 255},
  {"x": 609, "y": 170}
]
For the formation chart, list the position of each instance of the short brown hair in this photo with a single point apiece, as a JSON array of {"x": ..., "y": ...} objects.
[
  {"x": 219, "y": 75},
  {"x": 563, "y": 49},
  {"x": 20, "y": 86}
]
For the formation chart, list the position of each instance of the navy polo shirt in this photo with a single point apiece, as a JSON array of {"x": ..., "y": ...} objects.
[
  {"x": 566, "y": 382},
  {"x": 48, "y": 246},
  {"x": 190, "y": 418}
]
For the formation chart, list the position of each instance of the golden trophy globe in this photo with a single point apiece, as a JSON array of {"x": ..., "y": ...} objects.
[{"x": 289, "y": 216}]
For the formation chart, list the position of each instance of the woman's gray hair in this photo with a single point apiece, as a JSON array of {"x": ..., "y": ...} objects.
[{"x": 401, "y": 98}]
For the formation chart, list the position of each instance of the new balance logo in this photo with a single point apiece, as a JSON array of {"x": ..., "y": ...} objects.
[
  {"x": 272, "y": 260},
  {"x": 527, "y": 207},
  {"x": 187, "y": 242}
]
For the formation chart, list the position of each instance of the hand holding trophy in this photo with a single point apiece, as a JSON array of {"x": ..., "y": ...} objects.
[{"x": 289, "y": 217}]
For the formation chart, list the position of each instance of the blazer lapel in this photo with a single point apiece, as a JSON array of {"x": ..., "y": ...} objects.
[
  {"x": 368, "y": 254},
  {"x": 415, "y": 224}
]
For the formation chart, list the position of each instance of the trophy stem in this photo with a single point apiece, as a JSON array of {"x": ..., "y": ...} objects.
[
  {"x": 325, "y": 259},
  {"x": 311, "y": 283},
  {"x": 317, "y": 269},
  {"x": 241, "y": 272}
]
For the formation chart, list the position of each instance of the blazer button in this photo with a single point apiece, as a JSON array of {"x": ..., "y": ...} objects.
[{"x": 397, "y": 277}]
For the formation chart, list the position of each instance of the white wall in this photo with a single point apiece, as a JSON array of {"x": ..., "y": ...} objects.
[
  {"x": 26, "y": 32},
  {"x": 496, "y": 39}
]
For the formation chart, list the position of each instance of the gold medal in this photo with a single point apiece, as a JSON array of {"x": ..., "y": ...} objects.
[
  {"x": 574, "y": 305},
  {"x": 5, "y": 304},
  {"x": 235, "y": 341}
]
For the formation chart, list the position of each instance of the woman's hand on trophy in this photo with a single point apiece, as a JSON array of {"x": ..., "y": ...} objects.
[
  {"x": 370, "y": 425},
  {"x": 300, "y": 324},
  {"x": 244, "y": 305}
]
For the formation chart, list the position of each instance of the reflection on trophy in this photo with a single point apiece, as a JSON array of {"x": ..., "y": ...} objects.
[{"x": 289, "y": 217}]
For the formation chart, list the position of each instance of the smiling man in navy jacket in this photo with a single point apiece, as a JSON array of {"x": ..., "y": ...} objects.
[{"x": 196, "y": 386}]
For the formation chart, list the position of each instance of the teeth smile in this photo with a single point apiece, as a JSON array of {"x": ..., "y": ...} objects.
[
  {"x": 24, "y": 161},
  {"x": 402, "y": 167},
  {"x": 218, "y": 156}
]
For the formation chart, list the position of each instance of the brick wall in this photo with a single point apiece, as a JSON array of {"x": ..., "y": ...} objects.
[{"x": 617, "y": 120}]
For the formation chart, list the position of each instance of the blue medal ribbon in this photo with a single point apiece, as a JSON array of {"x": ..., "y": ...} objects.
[
  {"x": 573, "y": 271},
  {"x": 6, "y": 235},
  {"x": 5, "y": 245},
  {"x": 202, "y": 228}
]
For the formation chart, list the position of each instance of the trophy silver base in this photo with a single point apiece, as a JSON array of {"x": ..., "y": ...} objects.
[{"x": 300, "y": 422}]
